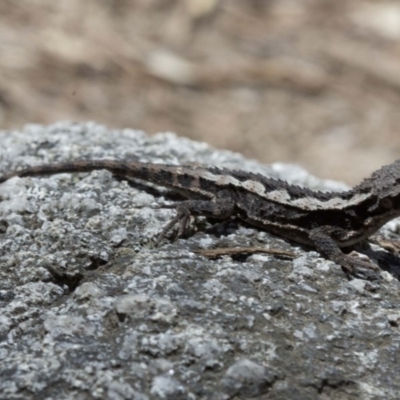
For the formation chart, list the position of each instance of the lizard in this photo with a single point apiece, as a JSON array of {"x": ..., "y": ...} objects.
[{"x": 325, "y": 221}]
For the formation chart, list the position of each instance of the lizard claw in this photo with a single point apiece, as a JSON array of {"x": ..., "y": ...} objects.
[
  {"x": 366, "y": 273},
  {"x": 355, "y": 267}
]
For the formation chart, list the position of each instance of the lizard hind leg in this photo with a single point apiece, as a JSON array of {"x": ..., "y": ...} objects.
[
  {"x": 220, "y": 208},
  {"x": 351, "y": 265}
]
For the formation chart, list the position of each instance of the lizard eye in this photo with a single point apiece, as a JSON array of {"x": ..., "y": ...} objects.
[{"x": 387, "y": 203}]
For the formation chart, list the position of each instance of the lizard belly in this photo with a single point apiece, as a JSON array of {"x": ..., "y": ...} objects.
[{"x": 286, "y": 231}]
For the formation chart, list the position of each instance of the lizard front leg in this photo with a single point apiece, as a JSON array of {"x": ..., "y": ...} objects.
[
  {"x": 222, "y": 207},
  {"x": 322, "y": 238}
]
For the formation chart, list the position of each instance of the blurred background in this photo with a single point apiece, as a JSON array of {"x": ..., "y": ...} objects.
[{"x": 314, "y": 82}]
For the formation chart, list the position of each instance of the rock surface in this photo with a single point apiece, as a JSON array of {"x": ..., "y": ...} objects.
[{"x": 90, "y": 309}]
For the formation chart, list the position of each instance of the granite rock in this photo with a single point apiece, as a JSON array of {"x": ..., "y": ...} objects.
[{"x": 91, "y": 309}]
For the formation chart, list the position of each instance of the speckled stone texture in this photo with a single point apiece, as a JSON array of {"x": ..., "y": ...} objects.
[{"x": 90, "y": 309}]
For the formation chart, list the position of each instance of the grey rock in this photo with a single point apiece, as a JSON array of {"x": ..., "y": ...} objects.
[
  {"x": 137, "y": 305},
  {"x": 168, "y": 388},
  {"x": 246, "y": 378},
  {"x": 359, "y": 285},
  {"x": 90, "y": 309}
]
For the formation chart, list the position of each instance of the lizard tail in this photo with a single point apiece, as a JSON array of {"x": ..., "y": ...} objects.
[
  {"x": 164, "y": 175},
  {"x": 186, "y": 180},
  {"x": 114, "y": 166}
]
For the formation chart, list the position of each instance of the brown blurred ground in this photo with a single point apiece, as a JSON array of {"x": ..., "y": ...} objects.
[{"x": 315, "y": 82}]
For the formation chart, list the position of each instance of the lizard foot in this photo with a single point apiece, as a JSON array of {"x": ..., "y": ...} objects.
[{"x": 354, "y": 266}]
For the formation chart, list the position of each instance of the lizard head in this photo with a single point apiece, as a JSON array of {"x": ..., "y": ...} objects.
[
  {"x": 385, "y": 182},
  {"x": 384, "y": 189}
]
